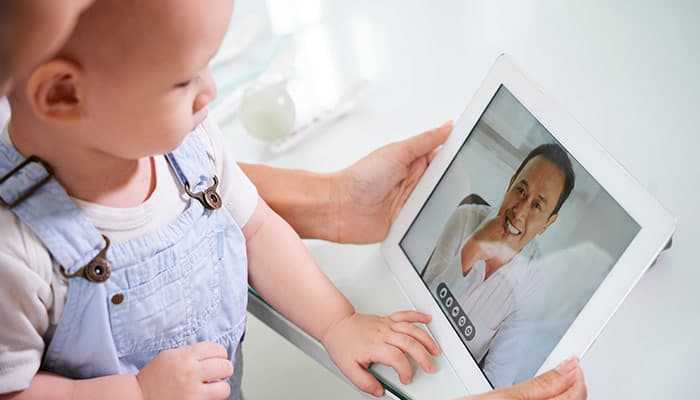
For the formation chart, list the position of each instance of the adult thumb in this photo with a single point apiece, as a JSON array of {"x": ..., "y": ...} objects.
[
  {"x": 548, "y": 385},
  {"x": 425, "y": 143}
]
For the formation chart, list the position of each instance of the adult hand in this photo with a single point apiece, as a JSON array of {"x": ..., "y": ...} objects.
[
  {"x": 486, "y": 243},
  {"x": 371, "y": 192},
  {"x": 198, "y": 371},
  {"x": 566, "y": 382}
]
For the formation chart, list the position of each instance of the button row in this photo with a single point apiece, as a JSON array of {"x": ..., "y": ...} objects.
[{"x": 454, "y": 311}]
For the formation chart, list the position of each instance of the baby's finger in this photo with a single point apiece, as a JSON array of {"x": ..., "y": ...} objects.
[
  {"x": 214, "y": 369},
  {"x": 393, "y": 357},
  {"x": 220, "y": 390},
  {"x": 364, "y": 381},
  {"x": 410, "y": 316},
  {"x": 204, "y": 350},
  {"x": 419, "y": 334},
  {"x": 413, "y": 348}
]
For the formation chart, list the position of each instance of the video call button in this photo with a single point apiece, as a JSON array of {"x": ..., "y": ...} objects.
[
  {"x": 455, "y": 312},
  {"x": 468, "y": 331}
]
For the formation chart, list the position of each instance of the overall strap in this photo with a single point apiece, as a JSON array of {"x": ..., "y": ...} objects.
[
  {"x": 41, "y": 203},
  {"x": 195, "y": 168}
]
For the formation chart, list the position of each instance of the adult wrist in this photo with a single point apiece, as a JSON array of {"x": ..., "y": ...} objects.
[{"x": 308, "y": 201}]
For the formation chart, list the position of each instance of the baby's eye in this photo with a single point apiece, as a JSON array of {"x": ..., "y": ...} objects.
[
  {"x": 538, "y": 206},
  {"x": 183, "y": 84},
  {"x": 520, "y": 190}
]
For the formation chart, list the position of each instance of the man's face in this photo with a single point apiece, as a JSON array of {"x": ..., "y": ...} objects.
[
  {"x": 35, "y": 29},
  {"x": 527, "y": 206}
]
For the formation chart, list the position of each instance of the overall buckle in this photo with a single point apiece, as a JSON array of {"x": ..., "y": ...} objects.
[
  {"x": 32, "y": 189},
  {"x": 209, "y": 198},
  {"x": 97, "y": 270}
]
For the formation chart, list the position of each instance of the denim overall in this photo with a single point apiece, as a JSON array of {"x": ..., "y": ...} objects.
[{"x": 183, "y": 283}]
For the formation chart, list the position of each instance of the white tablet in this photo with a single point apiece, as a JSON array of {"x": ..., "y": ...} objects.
[{"x": 523, "y": 236}]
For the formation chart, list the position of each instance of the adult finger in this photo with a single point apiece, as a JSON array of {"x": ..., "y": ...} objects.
[
  {"x": 425, "y": 142},
  {"x": 213, "y": 369},
  {"x": 548, "y": 385},
  {"x": 205, "y": 350},
  {"x": 410, "y": 316},
  {"x": 409, "y": 183},
  {"x": 217, "y": 390},
  {"x": 394, "y": 358},
  {"x": 578, "y": 390},
  {"x": 433, "y": 154},
  {"x": 419, "y": 334},
  {"x": 413, "y": 348},
  {"x": 416, "y": 169}
]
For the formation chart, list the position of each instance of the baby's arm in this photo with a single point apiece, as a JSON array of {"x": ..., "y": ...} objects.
[
  {"x": 195, "y": 372},
  {"x": 49, "y": 386},
  {"x": 285, "y": 274}
]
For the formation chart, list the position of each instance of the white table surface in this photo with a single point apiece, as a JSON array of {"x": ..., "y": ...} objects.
[{"x": 627, "y": 71}]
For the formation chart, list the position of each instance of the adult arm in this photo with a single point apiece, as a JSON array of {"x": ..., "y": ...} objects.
[{"x": 354, "y": 205}]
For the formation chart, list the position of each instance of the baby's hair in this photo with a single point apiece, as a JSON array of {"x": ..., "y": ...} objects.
[{"x": 5, "y": 40}]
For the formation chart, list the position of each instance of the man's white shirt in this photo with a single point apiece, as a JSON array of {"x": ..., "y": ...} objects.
[{"x": 498, "y": 306}]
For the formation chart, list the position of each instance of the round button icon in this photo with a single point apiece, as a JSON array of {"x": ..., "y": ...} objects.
[
  {"x": 449, "y": 302},
  {"x": 468, "y": 330},
  {"x": 443, "y": 293},
  {"x": 462, "y": 321},
  {"x": 455, "y": 311}
]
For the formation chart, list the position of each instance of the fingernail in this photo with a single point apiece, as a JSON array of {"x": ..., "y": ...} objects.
[
  {"x": 446, "y": 124},
  {"x": 567, "y": 366},
  {"x": 379, "y": 392}
]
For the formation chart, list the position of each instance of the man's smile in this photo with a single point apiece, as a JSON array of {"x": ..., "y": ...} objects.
[{"x": 511, "y": 228}]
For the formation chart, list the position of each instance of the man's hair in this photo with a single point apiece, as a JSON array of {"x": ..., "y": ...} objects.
[{"x": 557, "y": 155}]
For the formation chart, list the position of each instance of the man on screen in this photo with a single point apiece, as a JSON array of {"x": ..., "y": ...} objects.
[{"x": 487, "y": 258}]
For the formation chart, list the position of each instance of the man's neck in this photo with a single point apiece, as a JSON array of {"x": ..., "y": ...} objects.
[
  {"x": 85, "y": 173},
  {"x": 494, "y": 264}
]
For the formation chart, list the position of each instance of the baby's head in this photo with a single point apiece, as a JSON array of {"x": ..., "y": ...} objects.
[
  {"x": 132, "y": 80},
  {"x": 31, "y": 30}
]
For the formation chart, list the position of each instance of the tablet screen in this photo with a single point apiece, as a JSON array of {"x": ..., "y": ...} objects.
[{"x": 514, "y": 240}]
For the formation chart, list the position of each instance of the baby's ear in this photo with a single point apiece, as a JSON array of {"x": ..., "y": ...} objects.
[{"x": 55, "y": 91}]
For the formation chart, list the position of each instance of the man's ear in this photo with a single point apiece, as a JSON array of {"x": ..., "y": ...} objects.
[
  {"x": 55, "y": 91},
  {"x": 549, "y": 222}
]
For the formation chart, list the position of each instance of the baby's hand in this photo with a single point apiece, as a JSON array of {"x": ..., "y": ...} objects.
[
  {"x": 198, "y": 371},
  {"x": 360, "y": 340}
]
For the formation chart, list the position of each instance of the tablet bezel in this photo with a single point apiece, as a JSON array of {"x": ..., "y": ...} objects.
[{"x": 656, "y": 224}]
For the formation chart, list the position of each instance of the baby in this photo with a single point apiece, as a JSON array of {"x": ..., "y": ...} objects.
[{"x": 125, "y": 275}]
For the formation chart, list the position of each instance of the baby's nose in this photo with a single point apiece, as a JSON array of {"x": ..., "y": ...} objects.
[{"x": 207, "y": 91}]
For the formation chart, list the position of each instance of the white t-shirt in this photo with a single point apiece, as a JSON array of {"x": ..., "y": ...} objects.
[
  {"x": 32, "y": 290},
  {"x": 4, "y": 111}
]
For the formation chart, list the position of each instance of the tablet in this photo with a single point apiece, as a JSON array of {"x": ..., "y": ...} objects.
[{"x": 523, "y": 236}]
